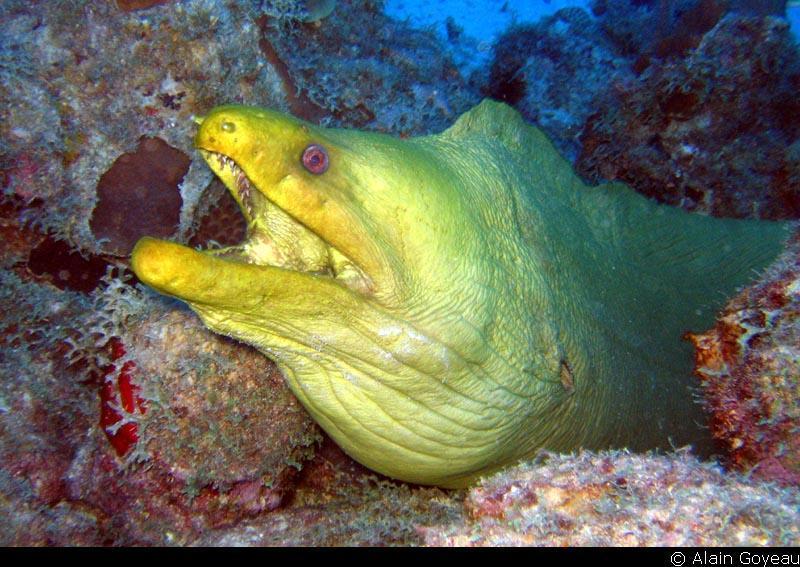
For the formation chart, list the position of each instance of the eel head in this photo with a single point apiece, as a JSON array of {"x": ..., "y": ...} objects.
[{"x": 345, "y": 253}]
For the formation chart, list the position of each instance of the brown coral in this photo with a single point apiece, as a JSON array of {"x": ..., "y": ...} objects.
[
  {"x": 139, "y": 195},
  {"x": 218, "y": 218}
]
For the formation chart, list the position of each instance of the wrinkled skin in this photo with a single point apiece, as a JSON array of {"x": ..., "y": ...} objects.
[{"x": 446, "y": 305}]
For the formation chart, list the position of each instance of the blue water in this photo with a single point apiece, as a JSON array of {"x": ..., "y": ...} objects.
[{"x": 484, "y": 20}]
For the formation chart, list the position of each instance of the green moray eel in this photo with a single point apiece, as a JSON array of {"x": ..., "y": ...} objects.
[{"x": 449, "y": 304}]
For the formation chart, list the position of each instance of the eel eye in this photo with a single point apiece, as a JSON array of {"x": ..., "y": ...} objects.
[{"x": 315, "y": 159}]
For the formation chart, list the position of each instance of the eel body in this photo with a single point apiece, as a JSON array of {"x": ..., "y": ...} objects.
[{"x": 447, "y": 305}]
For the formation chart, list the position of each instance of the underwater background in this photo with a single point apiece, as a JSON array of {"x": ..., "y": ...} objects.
[{"x": 123, "y": 421}]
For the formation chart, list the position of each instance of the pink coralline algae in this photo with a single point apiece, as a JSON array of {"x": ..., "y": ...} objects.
[
  {"x": 749, "y": 367},
  {"x": 619, "y": 499}
]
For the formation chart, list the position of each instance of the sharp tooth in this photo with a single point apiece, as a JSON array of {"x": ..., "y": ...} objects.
[{"x": 242, "y": 182}]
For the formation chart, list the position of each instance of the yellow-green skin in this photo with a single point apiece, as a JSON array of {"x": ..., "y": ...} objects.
[{"x": 447, "y": 305}]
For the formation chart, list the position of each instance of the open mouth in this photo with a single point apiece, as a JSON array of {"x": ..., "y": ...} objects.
[{"x": 275, "y": 238}]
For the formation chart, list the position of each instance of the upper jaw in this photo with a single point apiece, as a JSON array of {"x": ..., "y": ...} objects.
[
  {"x": 234, "y": 179},
  {"x": 274, "y": 238}
]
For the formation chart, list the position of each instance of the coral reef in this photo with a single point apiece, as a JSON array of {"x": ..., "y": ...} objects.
[
  {"x": 122, "y": 421},
  {"x": 337, "y": 502},
  {"x": 715, "y": 132},
  {"x": 303, "y": 10},
  {"x": 133, "y": 5},
  {"x": 702, "y": 113},
  {"x": 622, "y": 499},
  {"x": 217, "y": 412},
  {"x": 74, "y": 110},
  {"x": 661, "y": 28},
  {"x": 361, "y": 69},
  {"x": 213, "y": 436},
  {"x": 46, "y": 412},
  {"x": 551, "y": 72},
  {"x": 55, "y": 261},
  {"x": 669, "y": 28},
  {"x": 749, "y": 365}
]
